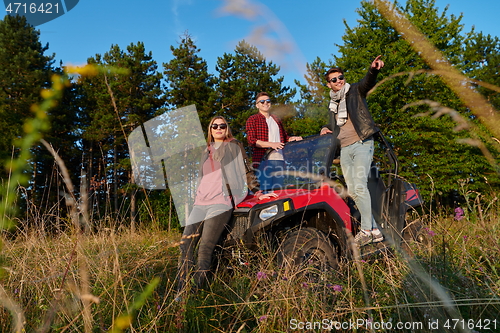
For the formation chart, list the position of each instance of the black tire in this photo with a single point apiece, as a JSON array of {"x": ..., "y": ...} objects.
[
  {"x": 423, "y": 237},
  {"x": 308, "y": 247},
  {"x": 240, "y": 226}
]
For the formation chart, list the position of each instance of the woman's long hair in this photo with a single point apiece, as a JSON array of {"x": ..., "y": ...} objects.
[{"x": 210, "y": 138}]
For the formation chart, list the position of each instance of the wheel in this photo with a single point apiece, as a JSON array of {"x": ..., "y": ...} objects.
[
  {"x": 238, "y": 229},
  {"x": 308, "y": 248},
  {"x": 424, "y": 236}
]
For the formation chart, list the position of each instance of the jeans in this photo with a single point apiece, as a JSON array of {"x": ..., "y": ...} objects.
[
  {"x": 355, "y": 161},
  {"x": 267, "y": 181},
  {"x": 213, "y": 219}
]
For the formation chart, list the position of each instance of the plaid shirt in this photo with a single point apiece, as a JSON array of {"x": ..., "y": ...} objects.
[{"x": 257, "y": 129}]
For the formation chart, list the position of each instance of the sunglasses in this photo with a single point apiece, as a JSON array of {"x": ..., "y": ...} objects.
[
  {"x": 262, "y": 101},
  {"x": 334, "y": 79},
  {"x": 221, "y": 126}
]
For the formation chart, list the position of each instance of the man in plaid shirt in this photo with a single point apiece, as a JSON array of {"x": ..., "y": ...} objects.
[{"x": 265, "y": 131}]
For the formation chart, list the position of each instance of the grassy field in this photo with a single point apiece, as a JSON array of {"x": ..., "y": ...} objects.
[{"x": 448, "y": 281}]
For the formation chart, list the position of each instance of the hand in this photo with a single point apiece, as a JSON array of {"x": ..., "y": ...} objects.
[
  {"x": 324, "y": 131},
  {"x": 294, "y": 138},
  {"x": 276, "y": 145},
  {"x": 377, "y": 63},
  {"x": 267, "y": 196}
]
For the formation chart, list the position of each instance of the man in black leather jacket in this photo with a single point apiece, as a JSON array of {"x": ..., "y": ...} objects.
[{"x": 353, "y": 125}]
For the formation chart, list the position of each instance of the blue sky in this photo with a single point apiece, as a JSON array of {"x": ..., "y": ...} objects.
[{"x": 295, "y": 32}]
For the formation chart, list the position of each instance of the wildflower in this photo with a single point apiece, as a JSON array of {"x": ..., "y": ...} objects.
[
  {"x": 337, "y": 288},
  {"x": 459, "y": 213},
  {"x": 304, "y": 284},
  {"x": 430, "y": 232},
  {"x": 261, "y": 275},
  {"x": 262, "y": 318}
]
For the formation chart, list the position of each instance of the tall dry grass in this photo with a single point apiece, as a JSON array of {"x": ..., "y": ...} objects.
[
  {"x": 52, "y": 278},
  {"x": 455, "y": 255}
]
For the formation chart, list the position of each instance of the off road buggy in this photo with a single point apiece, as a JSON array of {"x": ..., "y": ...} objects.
[{"x": 312, "y": 216}]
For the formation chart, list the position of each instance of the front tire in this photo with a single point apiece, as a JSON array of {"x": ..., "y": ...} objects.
[{"x": 308, "y": 248}]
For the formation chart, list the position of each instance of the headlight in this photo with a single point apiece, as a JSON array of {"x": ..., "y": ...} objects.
[{"x": 268, "y": 212}]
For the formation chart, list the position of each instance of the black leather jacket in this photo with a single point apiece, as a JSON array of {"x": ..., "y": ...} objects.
[{"x": 357, "y": 108}]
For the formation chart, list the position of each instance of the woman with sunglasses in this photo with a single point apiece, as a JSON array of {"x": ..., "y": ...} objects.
[{"x": 221, "y": 186}]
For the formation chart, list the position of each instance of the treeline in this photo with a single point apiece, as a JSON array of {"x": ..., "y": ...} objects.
[{"x": 90, "y": 125}]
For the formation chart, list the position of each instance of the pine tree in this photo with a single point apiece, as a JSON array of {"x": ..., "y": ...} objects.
[
  {"x": 312, "y": 108},
  {"x": 114, "y": 105},
  {"x": 24, "y": 71},
  {"x": 189, "y": 81},
  {"x": 64, "y": 137},
  {"x": 481, "y": 57},
  {"x": 242, "y": 76}
]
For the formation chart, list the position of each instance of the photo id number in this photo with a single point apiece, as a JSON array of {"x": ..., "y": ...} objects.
[{"x": 32, "y": 8}]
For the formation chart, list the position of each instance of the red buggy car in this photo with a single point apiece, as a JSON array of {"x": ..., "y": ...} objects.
[{"x": 313, "y": 216}]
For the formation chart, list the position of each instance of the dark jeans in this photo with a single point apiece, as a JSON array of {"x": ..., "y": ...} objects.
[{"x": 205, "y": 234}]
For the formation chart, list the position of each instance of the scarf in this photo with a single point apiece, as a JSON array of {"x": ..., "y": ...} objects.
[{"x": 338, "y": 104}]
